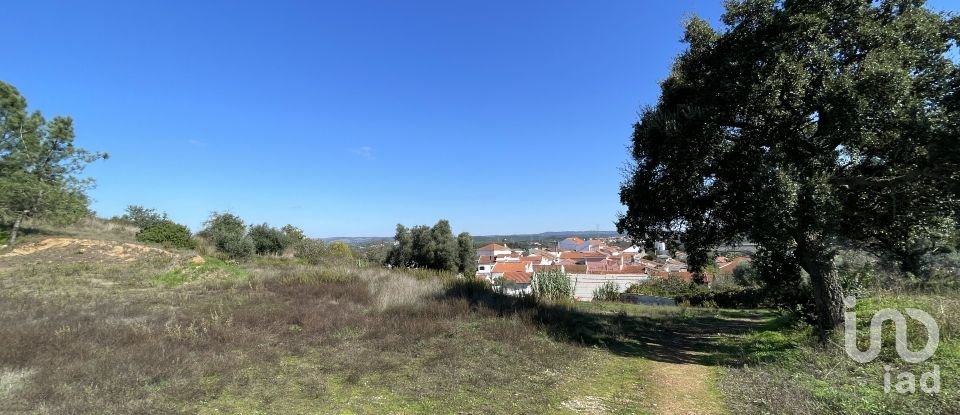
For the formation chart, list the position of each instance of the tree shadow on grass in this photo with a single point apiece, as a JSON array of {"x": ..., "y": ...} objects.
[{"x": 661, "y": 333}]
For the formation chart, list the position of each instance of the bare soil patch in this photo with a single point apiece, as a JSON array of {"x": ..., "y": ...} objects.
[{"x": 84, "y": 250}]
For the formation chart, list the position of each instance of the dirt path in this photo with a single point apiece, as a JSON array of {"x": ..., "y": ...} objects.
[
  {"x": 684, "y": 389},
  {"x": 683, "y": 373}
]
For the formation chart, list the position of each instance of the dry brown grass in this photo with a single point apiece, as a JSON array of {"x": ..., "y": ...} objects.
[{"x": 100, "y": 338}]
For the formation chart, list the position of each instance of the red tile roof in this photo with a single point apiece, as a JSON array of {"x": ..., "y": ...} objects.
[
  {"x": 492, "y": 247},
  {"x": 727, "y": 268},
  {"x": 509, "y": 266},
  {"x": 517, "y": 277}
]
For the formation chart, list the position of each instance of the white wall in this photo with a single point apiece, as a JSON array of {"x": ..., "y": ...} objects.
[{"x": 587, "y": 283}]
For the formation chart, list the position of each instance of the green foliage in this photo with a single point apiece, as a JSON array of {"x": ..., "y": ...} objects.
[
  {"x": 744, "y": 274},
  {"x": 467, "y": 254},
  {"x": 663, "y": 287},
  {"x": 941, "y": 268},
  {"x": 168, "y": 234},
  {"x": 857, "y": 270},
  {"x": 340, "y": 250},
  {"x": 430, "y": 247},
  {"x": 269, "y": 240},
  {"x": 551, "y": 285},
  {"x": 142, "y": 217},
  {"x": 801, "y": 127},
  {"x": 311, "y": 250},
  {"x": 294, "y": 233},
  {"x": 609, "y": 291},
  {"x": 40, "y": 166},
  {"x": 229, "y": 235}
]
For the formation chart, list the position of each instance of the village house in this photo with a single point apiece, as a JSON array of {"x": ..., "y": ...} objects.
[
  {"x": 579, "y": 245},
  {"x": 513, "y": 278},
  {"x": 493, "y": 250}
]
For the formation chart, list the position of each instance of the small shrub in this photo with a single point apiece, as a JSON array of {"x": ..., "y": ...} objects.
[
  {"x": 609, "y": 291},
  {"x": 340, "y": 250},
  {"x": 229, "y": 235},
  {"x": 663, "y": 287},
  {"x": 168, "y": 234},
  {"x": 234, "y": 246},
  {"x": 310, "y": 250}
]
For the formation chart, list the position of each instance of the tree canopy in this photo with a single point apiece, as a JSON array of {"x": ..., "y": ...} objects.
[
  {"x": 39, "y": 165},
  {"x": 431, "y": 247},
  {"x": 804, "y": 126}
]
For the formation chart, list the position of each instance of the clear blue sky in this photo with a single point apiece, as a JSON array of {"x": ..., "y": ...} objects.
[{"x": 348, "y": 117}]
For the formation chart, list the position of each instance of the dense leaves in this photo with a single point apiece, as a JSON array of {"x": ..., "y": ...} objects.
[
  {"x": 432, "y": 247},
  {"x": 269, "y": 240},
  {"x": 168, "y": 234},
  {"x": 804, "y": 126},
  {"x": 229, "y": 235},
  {"x": 142, "y": 217}
]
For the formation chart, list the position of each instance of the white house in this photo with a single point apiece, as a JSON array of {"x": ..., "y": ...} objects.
[
  {"x": 512, "y": 278},
  {"x": 634, "y": 250}
]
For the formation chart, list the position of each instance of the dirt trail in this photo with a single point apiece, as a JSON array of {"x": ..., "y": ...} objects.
[
  {"x": 683, "y": 371},
  {"x": 684, "y": 389}
]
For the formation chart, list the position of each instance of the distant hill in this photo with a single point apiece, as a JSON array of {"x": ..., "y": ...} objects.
[
  {"x": 357, "y": 240},
  {"x": 543, "y": 236}
]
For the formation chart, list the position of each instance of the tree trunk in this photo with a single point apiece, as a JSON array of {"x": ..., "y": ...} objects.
[
  {"x": 817, "y": 261},
  {"x": 16, "y": 228}
]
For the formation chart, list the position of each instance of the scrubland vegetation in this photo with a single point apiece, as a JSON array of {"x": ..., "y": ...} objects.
[{"x": 166, "y": 333}]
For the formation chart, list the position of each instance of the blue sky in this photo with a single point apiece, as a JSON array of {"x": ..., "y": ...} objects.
[{"x": 348, "y": 117}]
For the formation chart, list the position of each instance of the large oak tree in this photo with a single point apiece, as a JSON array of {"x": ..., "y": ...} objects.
[{"x": 804, "y": 126}]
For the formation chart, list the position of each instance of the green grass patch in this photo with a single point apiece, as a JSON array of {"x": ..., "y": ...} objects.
[
  {"x": 212, "y": 269},
  {"x": 810, "y": 377}
]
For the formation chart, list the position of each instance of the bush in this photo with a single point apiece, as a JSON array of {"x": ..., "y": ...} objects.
[
  {"x": 168, "y": 234},
  {"x": 664, "y": 287},
  {"x": 609, "y": 291},
  {"x": 142, "y": 217},
  {"x": 229, "y": 235},
  {"x": 310, "y": 250},
  {"x": 745, "y": 275},
  {"x": 269, "y": 240},
  {"x": 340, "y": 250},
  {"x": 234, "y": 246},
  {"x": 857, "y": 271},
  {"x": 552, "y": 285},
  {"x": 940, "y": 268}
]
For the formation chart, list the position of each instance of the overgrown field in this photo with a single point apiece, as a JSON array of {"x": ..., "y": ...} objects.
[
  {"x": 87, "y": 331},
  {"x": 275, "y": 336}
]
